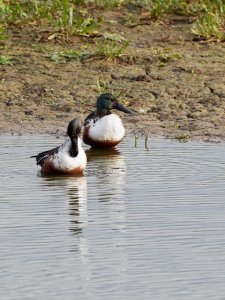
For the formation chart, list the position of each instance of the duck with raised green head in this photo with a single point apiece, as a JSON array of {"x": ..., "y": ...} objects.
[{"x": 102, "y": 128}]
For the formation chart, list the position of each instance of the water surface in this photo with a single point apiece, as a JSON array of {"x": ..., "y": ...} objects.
[{"x": 140, "y": 224}]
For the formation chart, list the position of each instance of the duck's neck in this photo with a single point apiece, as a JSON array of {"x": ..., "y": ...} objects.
[
  {"x": 74, "y": 148},
  {"x": 102, "y": 112}
]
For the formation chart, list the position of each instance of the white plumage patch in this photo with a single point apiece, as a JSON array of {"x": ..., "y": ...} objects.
[
  {"x": 62, "y": 161},
  {"x": 109, "y": 127}
]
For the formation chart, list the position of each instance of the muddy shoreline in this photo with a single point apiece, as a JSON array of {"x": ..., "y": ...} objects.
[{"x": 174, "y": 84}]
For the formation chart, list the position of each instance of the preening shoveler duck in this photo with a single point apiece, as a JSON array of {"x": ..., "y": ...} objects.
[
  {"x": 102, "y": 128},
  {"x": 69, "y": 158}
]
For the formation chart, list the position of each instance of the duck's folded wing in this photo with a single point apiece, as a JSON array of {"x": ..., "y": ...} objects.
[
  {"x": 89, "y": 118},
  {"x": 41, "y": 157}
]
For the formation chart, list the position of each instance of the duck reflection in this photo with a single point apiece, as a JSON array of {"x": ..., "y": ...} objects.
[
  {"x": 76, "y": 191},
  {"x": 93, "y": 154},
  {"x": 106, "y": 174},
  {"x": 109, "y": 169},
  {"x": 105, "y": 177},
  {"x": 77, "y": 200}
]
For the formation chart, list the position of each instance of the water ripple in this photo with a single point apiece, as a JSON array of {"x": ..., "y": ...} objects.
[{"x": 140, "y": 224}]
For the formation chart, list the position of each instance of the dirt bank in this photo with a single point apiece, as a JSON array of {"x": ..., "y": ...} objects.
[{"x": 174, "y": 84}]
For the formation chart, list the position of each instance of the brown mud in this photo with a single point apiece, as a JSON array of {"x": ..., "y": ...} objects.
[{"x": 174, "y": 83}]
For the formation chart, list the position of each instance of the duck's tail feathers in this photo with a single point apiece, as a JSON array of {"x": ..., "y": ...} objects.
[{"x": 43, "y": 156}]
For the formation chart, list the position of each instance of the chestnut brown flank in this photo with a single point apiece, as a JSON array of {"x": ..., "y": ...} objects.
[
  {"x": 98, "y": 144},
  {"x": 48, "y": 169}
]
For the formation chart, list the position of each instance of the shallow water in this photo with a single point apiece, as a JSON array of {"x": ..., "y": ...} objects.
[{"x": 140, "y": 224}]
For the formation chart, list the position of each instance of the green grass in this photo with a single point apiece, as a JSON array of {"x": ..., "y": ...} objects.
[
  {"x": 85, "y": 26},
  {"x": 209, "y": 14},
  {"x": 5, "y": 60},
  {"x": 211, "y": 23},
  {"x": 64, "y": 15},
  {"x": 67, "y": 55},
  {"x": 107, "y": 3},
  {"x": 72, "y": 21},
  {"x": 103, "y": 49},
  {"x": 165, "y": 54},
  {"x": 103, "y": 86},
  {"x": 114, "y": 37},
  {"x": 107, "y": 87},
  {"x": 160, "y": 8},
  {"x": 110, "y": 49},
  {"x": 2, "y": 33},
  {"x": 208, "y": 26},
  {"x": 78, "y": 17}
]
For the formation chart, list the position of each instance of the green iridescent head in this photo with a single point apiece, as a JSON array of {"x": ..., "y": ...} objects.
[{"x": 107, "y": 101}]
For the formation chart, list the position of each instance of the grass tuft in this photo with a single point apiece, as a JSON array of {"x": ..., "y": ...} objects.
[
  {"x": 107, "y": 3},
  {"x": 5, "y": 60},
  {"x": 2, "y": 33},
  {"x": 110, "y": 49},
  {"x": 211, "y": 23},
  {"x": 165, "y": 54},
  {"x": 63, "y": 56}
]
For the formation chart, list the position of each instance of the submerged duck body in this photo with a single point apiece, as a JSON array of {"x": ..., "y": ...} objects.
[
  {"x": 68, "y": 159},
  {"x": 103, "y": 129}
]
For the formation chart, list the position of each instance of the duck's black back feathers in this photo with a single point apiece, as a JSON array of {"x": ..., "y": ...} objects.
[
  {"x": 95, "y": 116},
  {"x": 43, "y": 156}
]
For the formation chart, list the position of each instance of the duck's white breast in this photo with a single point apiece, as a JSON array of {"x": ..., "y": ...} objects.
[
  {"x": 109, "y": 127},
  {"x": 62, "y": 161}
]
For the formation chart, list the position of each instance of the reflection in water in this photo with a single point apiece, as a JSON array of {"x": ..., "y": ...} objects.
[
  {"x": 153, "y": 224},
  {"x": 78, "y": 218},
  {"x": 77, "y": 193},
  {"x": 93, "y": 154},
  {"x": 109, "y": 168},
  {"x": 76, "y": 190},
  {"x": 106, "y": 173}
]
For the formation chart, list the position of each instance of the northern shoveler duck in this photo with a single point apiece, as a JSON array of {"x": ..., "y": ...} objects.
[
  {"x": 69, "y": 158},
  {"x": 102, "y": 128}
]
